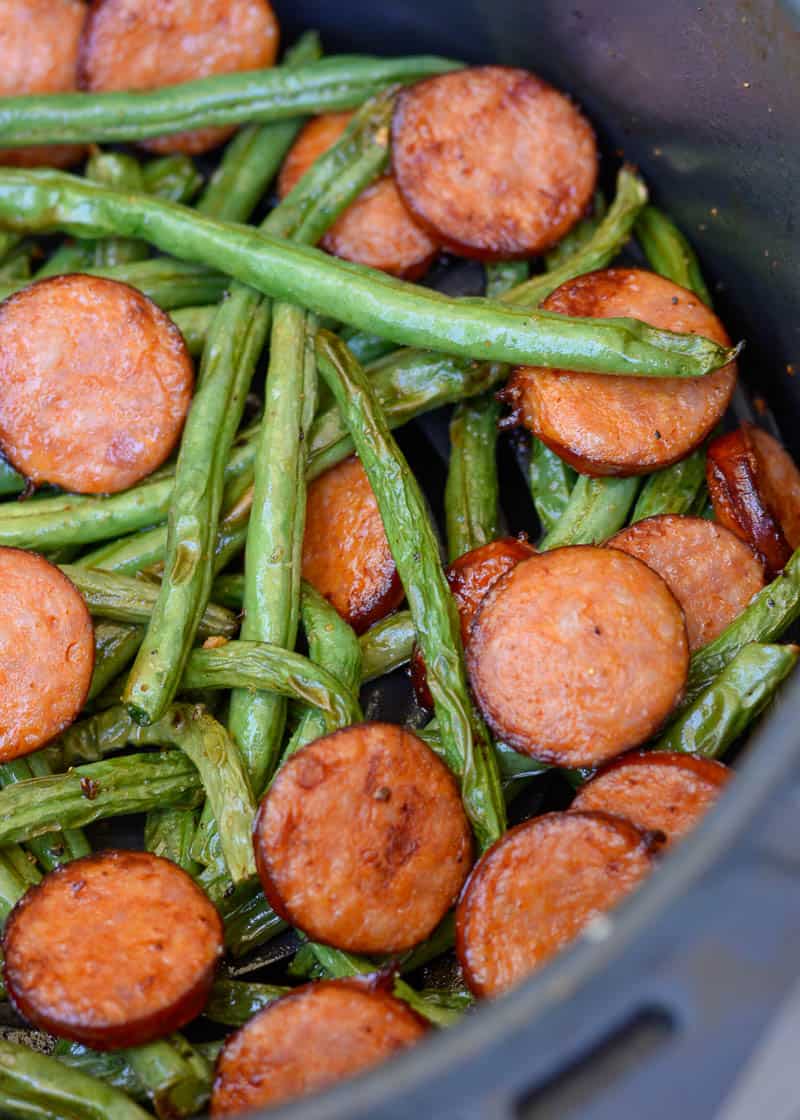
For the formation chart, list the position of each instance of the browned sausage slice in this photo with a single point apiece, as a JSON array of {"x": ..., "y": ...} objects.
[
  {"x": 711, "y": 573},
  {"x": 376, "y": 229},
  {"x": 308, "y": 1040},
  {"x": 112, "y": 950},
  {"x": 602, "y": 424},
  {"x": 538, "y": 887},
  {"x": 361, "y": 841},
  {"x": 129, "y": 44},
  {"x": 346, "y": 555},
  {"x": 95, "y": 383},
  {"x": 46, "y": 652},
  {"x": 470, "y": 577},
  {"x": 494, "y": 161},
  {"x": 578, "y": 655},
  {"x": 39, "y": 42},
  {"x": 659, "y": 791},
  {"x": 755, "y": 488}
]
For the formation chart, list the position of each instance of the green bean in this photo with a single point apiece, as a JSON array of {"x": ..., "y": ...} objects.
[
  {"x": 38, "y": 201},
  {"x": 172, "y": 284},
  {"x": 194, "y": 324},
  {"x": 113, "y": 787},
  {"x": 174, "y": 178},
  {"x": 366, "y": 348},
  {"x": 23, "y": 863},
  {"x": 253, "y": 156},
  {"x": 35, "y": 1086},
  {"x": 471, "y": 493},
  {"x": 249, "y": 922},
  {"x": 8, "y": 242},
  {"x": 114, "y": 647},
  {"x": 668, "y": 251},
  {"x": 502, "y": 276},
  {"x": 51, "y": 850},
  {"x": 415, "y": 550},
  {"x": 515, "y": 769},
  {"x": 551, "y": 483},
  {"x": 169, "y": 833},
  {"x": 259, "y": 666},
  {"x": 125, "y": 599},
  {"x": 124, "y": 173},
  {"x": 71, "y": 256},
  {"x": 597, "y": 508},
  {"x": 334, "y": 647},
  {"x": 234, "y": 1002},
  {"x": 12, "y": 885},
  {"x": 224, "y": 99},
  {"x": 16, "y": 266},
  {"x": 10, "y": 481},
  {"x": 176, "y": 1078},
  {"x": 720, "y": 714},
  {"x": 579, "y": 235},
  {"x": 674, "y": 489},
  {"x": 109, "y": 1066},
  {"x": 766, "y": 617},
  {"x": 387, "y": 645}
]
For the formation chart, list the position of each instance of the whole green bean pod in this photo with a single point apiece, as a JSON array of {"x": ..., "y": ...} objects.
[
  {"x": 579, "y": 235},
  {"x": 387, "y": 645},
  {"x": 596, "y": 509},
  {"x": 110, "y": 1066},
  {"x": 51, "y": 850},
  {"x": 279, "y": 93},
  {"x": 113, "y": 787},
  {"x": 471, "y": 493},
  {"x": 668, "y": 252},
  {"x": 125, "y": 599},
  {"x": 40, "y": 201},
  {"x": 767, "y": 616},
  {"x": 34, "y": 1085},
  {"x": 234, "y": 1002},
  {"x": 176, "y": 1078},
  {"x": 720, "y": 714},
  {"x": 333, "y": 646},
  {"x": 174, "y": 178},
  {"x": 465, "y": 742}
]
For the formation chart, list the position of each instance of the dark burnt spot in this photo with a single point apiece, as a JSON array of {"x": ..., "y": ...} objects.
[{"x": 89, "y": 788}]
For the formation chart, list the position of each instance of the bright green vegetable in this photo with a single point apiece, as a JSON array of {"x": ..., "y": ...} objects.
[
  {"x": 176, "y": 1078},
  {"x": 124, "y": 173},
  {"x": 131, "y": 784},
  {"x": 37, "y": 1087},
  {"x": 256, "y": 95},
  {"x": 672, "y": 490},
  {"x": 731, "y": 702},
  {"x": 169, "y": 833},
  {"x": 174, "y": 178},
  {"x": 578, "y": 235},
  {"x": 51, "y": 850},
  {"x": 551, "y": 483},
  {"x": 38, "y": 201},
  {"x": 12, "y": 885},
  {"x": 412, "y": 540},
  {"x": 234, "y": 1002},
  {"x": 597, "y": 508},
  {"x": 109, "y": 1066},
  {"x": 194, "y": 324},
  {"x": 387, "y": 645},
  {"x": 768, "y": 615},
  {"x": 471, "y": 493},
  {"x": 502, "y": 276},
  {"x": 249, "y": 920},
  {"x": 669, "y": 253},
  {"x": 366, "y": 348},
  {"x": 71, "y": 256},
  {"x": 115, "y": 645}
]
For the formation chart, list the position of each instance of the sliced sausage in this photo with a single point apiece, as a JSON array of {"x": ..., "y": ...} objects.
[
  {"x": 146, "y": 44},
  {"x": 538, "y": 887},
  {"x": 711, "y": 573},
  {"x": 112, "y": 950},
  {"x": 493, "y": 160},
  {"x": 376, "y": 229},
  {"x": 603, "y": 424},
  {"x": 95, "y": 383},
  {"x": 755, "y": 489},
  {"x": 346, "y": 555},
  {"x": 362, "y": 841},
  {"x": 659, "y": 791},
  {"x": 578, "y": 655},
  {"x": 308, "y": 1040},
  {"x": 470, "y": 577},
  {"x": 46, "y": 652},
  {"x": 39, "y": 42}
]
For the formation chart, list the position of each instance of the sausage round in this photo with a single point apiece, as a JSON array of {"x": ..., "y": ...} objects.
[
  {"x": 362, "y": 841},
  {"x": 375, "y": 230},
  {"x": 112, "y": 950},
  {"x": 602, "y": 424},
  {"x": 131, "y": 44},
  {"x": 308, "y": 1040},
  {"x": 346, "y": 555},
  {"x": 95, "y": 383},
  {"x": 578, "y": 655},
  {"x": 39, "y": 43},
  {"x": 711, "y": 573},
  {"x": 659, "y": 791},
  {"x": 470, "y": 577},
  {"x": 537, "y": 887},
  {"x": 46, "y": 652},
  {"x": 755, "y": 489},
  {"x": 493, "y": 160}
]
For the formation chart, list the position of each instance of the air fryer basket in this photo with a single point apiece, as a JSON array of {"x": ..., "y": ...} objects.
[{"x": 681, "y": 1004}]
